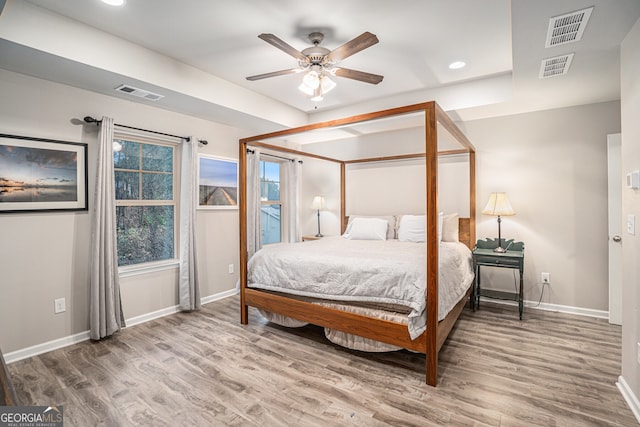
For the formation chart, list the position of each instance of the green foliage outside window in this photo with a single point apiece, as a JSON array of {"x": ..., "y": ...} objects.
[{"x": 144, "y": 202}]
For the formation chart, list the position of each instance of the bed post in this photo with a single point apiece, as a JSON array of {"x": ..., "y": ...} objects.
[
  {"x": 472, "y": 198},
  {"x": 343, "y": 212},
  {"x": 431, "y": 151},
  {"x": 242, "y": 188}
]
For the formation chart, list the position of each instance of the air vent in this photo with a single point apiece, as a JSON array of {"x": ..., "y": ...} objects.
[
  {"x": 140, "y": 93},
  {"x": 567, "y": 28},
  {"x": 557, "y": 66}
]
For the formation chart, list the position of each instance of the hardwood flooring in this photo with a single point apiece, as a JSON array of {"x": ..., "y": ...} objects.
[{"x": 204, "y": 368}]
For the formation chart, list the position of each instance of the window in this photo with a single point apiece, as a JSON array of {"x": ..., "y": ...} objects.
[
  {"x": 145, "y": 201},
  {"x": 271, "y": 204}
]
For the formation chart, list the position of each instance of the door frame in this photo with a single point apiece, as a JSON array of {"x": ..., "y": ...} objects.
[{"x": 614, "y": 204}]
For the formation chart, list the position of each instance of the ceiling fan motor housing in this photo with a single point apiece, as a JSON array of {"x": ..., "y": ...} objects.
[{"x": 315, "y": 54}]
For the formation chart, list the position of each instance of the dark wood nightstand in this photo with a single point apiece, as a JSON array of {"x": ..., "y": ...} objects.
[{"x": 483, "y": 255}]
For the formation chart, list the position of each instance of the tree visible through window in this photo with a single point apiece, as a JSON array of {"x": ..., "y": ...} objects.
[
  {"x": 271, "y": 206},
  {"x": 145, "y": 204}
]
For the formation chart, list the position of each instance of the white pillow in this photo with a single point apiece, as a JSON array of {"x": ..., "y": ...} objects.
[
  {"x": 367, "y": 229},
  {"x": 440, "y": 225},
  {"x": 391, "y": 221},
  {"x": 450, "y": 228},
  {"x": 412, "y": 228}
]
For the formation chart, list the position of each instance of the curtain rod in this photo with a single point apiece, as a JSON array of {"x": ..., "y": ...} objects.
[
  {"x": 89, "y": 119},
  {"x": 273, "y": 155}
]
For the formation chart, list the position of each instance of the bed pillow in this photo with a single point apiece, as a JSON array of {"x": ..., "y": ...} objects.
[
  {"x": 412, "y": 228},
  {"x": 367, "y": 229},
  {"x": 391, "y": 224},
  {"x": 440, "y": 220},
  {"x": 450, "y": 228}
]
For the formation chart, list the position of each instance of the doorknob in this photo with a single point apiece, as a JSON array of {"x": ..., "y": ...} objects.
[{"x": 617, "y": 238}]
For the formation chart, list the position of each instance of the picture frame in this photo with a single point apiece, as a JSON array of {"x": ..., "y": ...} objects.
[
  {"x": 42, "y": 175},
  {"x": 217, "y": 182}
]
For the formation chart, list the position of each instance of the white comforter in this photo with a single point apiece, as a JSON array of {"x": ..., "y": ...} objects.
[{"x": 390, "y": 272}]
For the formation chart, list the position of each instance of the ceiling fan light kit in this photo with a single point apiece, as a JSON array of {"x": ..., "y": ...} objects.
[{"x": 320, "y": 63}]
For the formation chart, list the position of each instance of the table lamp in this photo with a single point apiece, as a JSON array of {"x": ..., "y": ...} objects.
[
  {"x": 318, "y": 203},
  {"x": 498, "y": 205}
]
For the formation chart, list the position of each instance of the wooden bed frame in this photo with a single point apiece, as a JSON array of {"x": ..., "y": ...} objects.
[{"x": 385, "y": 331}]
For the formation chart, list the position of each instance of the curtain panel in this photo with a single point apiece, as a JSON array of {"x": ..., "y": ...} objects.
[
  {"x": 253, "y": 202},
  {"x": 188, "y": 286},
  {"x": 292, "y": 200},
  {"x": 105, "y": 307}
]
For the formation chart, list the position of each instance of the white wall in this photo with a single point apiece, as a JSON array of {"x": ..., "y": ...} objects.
[
  {"x": 553, "y": 166},
  {"x": 44, "y": 256},
  {"x": 382, "y": 188},
  {"x": 630, "y": 104}
]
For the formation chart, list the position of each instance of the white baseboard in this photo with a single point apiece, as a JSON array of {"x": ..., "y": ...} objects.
[
  {"x": 629, "y": 397},
  {"x": 46, "y": 347},
  {"x": 219, "y": 296},
  {"x": 554, "y": 307},
  {"x": 150, "y": 316}
]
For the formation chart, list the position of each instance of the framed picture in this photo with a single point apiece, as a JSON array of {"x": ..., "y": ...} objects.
[
  {"x": 42, "y": 175},
  {"x": 217, "y": 183}
]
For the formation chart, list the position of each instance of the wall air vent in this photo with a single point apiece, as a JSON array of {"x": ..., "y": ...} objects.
[
  {"x": 556, "y": 66},
  {"x": 567, "y": 28},
  {"x": 140, "y": 93}
]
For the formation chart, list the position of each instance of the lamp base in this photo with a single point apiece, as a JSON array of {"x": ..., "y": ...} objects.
[
  {"x": 500, "y": 249},
  {"x": 319, "y": 235}
]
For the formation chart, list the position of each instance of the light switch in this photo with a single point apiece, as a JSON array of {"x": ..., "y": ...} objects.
[
  {"x": 633, "y": 180},
  {"x": 631, "y": 224}
]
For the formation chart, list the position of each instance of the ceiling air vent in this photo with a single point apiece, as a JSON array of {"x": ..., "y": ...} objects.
[
  {"x": 140, "y": 93},
  {"x": 557, "y": 66},
  {"x": 567, "y": 28}
]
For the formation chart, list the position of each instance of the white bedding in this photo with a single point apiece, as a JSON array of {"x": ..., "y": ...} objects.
[{"x": 382, "y": 271}]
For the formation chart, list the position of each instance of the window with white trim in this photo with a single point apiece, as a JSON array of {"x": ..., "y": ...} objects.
[
  {"x": 271, "y": 208},
  {"x": 146, "y": 200}
]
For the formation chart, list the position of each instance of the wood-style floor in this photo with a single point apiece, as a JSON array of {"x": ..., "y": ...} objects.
[{"x": 206, "y": 369}]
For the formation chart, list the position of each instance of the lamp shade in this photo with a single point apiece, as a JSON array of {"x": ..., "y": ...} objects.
[
  {"x": 318, "y": 203},
  {"x": 498, "y": 205}
]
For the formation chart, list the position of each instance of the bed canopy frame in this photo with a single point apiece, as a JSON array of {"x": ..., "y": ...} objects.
[{"x": 430, "y": 342}]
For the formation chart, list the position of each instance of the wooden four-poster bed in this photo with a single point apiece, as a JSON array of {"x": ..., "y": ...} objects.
[{"x": 385, "y": 331}]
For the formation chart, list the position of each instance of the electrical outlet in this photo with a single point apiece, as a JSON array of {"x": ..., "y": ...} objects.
[
  {"x": 545, "y": 278},
  {"x": 231, "y": 269},
  {"x": 59, "y": 305}
]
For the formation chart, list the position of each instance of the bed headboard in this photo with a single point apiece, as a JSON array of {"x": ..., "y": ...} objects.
[{"x": 464, "y": 232}]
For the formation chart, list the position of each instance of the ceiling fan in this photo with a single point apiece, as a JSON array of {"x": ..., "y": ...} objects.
[{"x": 320, "y": 63}]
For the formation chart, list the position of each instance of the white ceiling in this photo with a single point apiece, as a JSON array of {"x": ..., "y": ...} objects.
[{"x": 501, "y": 41}]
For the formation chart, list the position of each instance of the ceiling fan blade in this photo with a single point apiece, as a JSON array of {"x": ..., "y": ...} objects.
[
  {"x": 361, "y": 42},
  {"x": 273, "y": 74},
  {"x": 374, "y": 79},
  {"x": 283, "y": 46}
]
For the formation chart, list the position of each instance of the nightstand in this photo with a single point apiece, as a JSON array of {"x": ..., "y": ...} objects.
[
  {"x": 484, "y": 256},
  {"x": 309, "y": 238}
]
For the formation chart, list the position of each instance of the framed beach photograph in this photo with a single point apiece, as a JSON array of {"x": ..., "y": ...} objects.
[
  {"x": 217, "y": 182},
  {"x": 42, "y": 175}
]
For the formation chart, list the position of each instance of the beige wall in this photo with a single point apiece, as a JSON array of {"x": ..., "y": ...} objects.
[
  {"x": 630, "y": 104},
  {"x": 553, "y": 166},
  {"x": 44, "y": 256}
]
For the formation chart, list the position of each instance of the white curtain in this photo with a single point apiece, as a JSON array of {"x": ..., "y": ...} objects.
[
  {"x": 291, "y": 200},
  {"x": 189, "y": 289},
  {"x": 253, "y": 202},
  {"x": 105, "y": 307}
]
